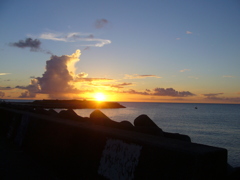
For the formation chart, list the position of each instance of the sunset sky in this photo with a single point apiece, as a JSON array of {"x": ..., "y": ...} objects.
[{"x": 130, "y": 50}]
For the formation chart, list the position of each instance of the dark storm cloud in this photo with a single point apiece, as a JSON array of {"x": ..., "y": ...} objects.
[
  {"x": 33, "y": 44},
  {"x": 171, "y": 92}
]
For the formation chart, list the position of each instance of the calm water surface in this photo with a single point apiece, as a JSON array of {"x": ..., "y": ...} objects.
[{"x": 211, "y": 124}]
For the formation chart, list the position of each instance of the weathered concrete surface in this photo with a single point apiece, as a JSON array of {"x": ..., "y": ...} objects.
[{"x": 71, "y": 149}]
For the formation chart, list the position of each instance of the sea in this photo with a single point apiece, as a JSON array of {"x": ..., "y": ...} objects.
[
  {"x": 215, "y": 125},
  {"x": 210, "y": 124}
]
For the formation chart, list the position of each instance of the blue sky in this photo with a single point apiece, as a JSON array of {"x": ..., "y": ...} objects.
[{"x": 130, "y": 50}]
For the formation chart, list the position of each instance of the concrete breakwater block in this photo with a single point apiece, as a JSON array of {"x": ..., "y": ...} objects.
[
  {"x": 145, "y": 125},
  {"x": 82, "y": 150}
]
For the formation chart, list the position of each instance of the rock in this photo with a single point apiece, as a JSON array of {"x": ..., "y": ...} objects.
[
  {"x": 41, "y": 111},
  {"x": 52, "y": 112},
  {"x": 145, "y": 125},
  {"x": 70, "y": 114},
  {"x": 98, "y": 117},
  {"x": 235, "y": 174},
  {"x": 177, "y": 136},
  {"x": 149, "y": 130},
  {"x": 126, "y": 124},
  {"x": 144, "y": 121}
]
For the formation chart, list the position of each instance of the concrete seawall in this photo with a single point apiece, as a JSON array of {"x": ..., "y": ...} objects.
[{"x": 87, "y": 151}]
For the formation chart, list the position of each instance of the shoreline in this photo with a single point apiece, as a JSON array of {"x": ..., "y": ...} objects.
[{"x": 68, "y": 104}]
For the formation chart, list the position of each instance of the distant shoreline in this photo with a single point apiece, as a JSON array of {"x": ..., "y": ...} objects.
[{"x": 69, "y": 104}]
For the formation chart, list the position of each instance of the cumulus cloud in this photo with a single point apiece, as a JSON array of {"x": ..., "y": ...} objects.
[
  {"x": 58, "y": 75},
  {"x": 76, "y": 37},
  {"x": 100, "y": 23},
  {"x": 33, "y": 44},
  {"x": 137, "y": 76},
  {"x": 56, "y": 79},
  {"x": 184, "y": 70},
  {"x": 31, "y": 90},
  {"x": 189, "y": 32}
]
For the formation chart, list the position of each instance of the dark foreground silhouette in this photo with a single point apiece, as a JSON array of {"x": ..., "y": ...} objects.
[{"x": 94, "y": 147}]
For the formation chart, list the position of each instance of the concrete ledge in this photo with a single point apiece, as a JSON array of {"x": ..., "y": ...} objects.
[{"x": 85, "y": 150}]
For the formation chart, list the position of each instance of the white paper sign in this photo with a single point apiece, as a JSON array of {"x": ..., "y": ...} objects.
[{"x": 119, "y": 160}]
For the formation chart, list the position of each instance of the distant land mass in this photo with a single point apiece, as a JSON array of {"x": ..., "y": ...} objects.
[{"x": 70, "y": 104}]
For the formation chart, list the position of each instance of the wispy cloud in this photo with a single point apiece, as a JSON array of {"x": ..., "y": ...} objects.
[
  {"x": 81, "y": 75},
  {"x": 193, "y": 77},
  {"x": 189, "y": 32},
  {"x": 138, "y": 76},
  {"x": 2, "y": 94},
  {"x": 228, "y": 76},
  {"x": 120, "y": 85},
  {"x": 132, "y": 91},
  {"x": 5, "y": 88},
  {"x": 184, "y": 70},
  {"x": 3, "y": 74},
  {"x": 161, "y": 92},
  {"x": 215, "y": 96},
  {"x": 212, "y": 95},
  {"x": 178, "y": 38},
  {"x": 100, "y": 23},
  {"x": 76, "y": 37},
  {"x": 92, "y": 79}
]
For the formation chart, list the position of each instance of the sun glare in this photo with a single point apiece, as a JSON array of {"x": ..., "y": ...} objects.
[{"x": 100, "y": 97}]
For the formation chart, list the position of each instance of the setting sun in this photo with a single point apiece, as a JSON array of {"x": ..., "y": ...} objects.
[{"x": 99, "y": 96}]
